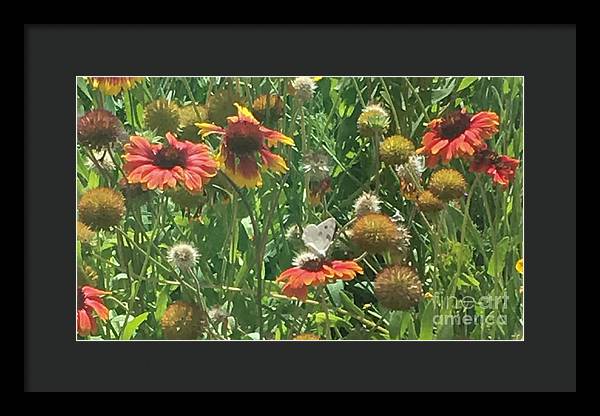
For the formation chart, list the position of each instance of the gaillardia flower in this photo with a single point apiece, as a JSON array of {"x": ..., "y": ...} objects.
[
  {"x": 367, "y": 202},
  {"x": 500, "y": 168},
  {"x": 182, "y": 320},
  {"x": 114, "y": 85},
  {"x": 398, "y": 288},
  {"x": 99, "y": 129},
  {"x": 271, "y": 104},
  {"x": 447, "y": 184},
  {"x": 157, "y": 166},
  {"x": 245, "y": 140},
  {"x": 376, "y": 232},
  {"x": 101, "y": 208},
  {"x": 89, "y": 301},
  {"x": 458, "y": 134},
  {"x": 162, "y": 116},
  {"x": 373, "y": 121},
  {"x": 188, "y": 117},
  {"x": 428, "y": 202},
  {"x": 183, "y": 256},
  {"x": 396, "y": 150},
  {"x": 312, "y": 270}
]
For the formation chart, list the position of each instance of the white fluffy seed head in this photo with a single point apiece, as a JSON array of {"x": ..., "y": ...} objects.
[
  {"x": 415, "y": 165},
  {"x": 183, "y": 256},
  {"x": 304, "y": 88},
  {"x": 366, "y": 203}
]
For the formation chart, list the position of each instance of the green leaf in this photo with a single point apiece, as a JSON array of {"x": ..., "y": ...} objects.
[
  {"x": 439, "y": 94},
  {"x": 427, "y": 322},
  {"x": 395, "y": 326},
  {"x": 498, "y": 259},
  {"x": 161, "y": 303},
  {"x": 466, "y": 81},
  {"x": 93, "y": 180},
  {"x": 334, "y": 320},
  {"x": 247, "y": 224},
  {"x": 335, "y": 290},
  {"x": 350, "y": 306},
  {"x": 83, "y": 86},
  {"x": 133, "y": 325}
]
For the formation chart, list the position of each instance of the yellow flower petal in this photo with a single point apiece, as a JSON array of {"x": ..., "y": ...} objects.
[{"x": 520, "y": 266}]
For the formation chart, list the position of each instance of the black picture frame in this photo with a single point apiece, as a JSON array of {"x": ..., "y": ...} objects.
[{"x": 544, "y": 55}]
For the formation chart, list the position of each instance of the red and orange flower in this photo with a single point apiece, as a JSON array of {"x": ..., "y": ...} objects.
[
  {"x": 157, "y": 166},
  {"x": 500, "y": 168},
  {"x": 89, "y": 301},
  {"x": 312, "y": 270},
  {"x": 458, "y": 134},
  {"x": 245, "y": 142},
  {"x": 114, "y": 85}
]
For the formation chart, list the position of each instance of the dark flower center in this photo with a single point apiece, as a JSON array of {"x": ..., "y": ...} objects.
[
  {"x": 168, "y": 157},
  {"x": 314, "y": 265},
  {"x": 243, "y": 145},
  {"x": 454, "y": 124}
]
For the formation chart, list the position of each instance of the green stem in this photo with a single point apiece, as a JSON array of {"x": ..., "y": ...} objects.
[
  {"x": 191, "y": 94},
  {"x": 418, "y": 99},
  {"x": 323, "y": 303},
  {"x": 391, "y": 104},
  {"x": 360, "y": 98}
]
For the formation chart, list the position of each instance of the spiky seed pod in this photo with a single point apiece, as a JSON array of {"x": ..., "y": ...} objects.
[
  {"x": 375, "y": 233},
  {"x": 101, "y": 208},
  {"x": 220, "y": 106},
  {"x": 183, "y": 256},
  {"x": 398, "y": 288},
  {"x": 186, "y": 200},
  {"x": 367, "y": 202},
  {"x": 86, "y": 276},
  {"x": 218, "y": 314},
  {"x": 316, "y": 165},
  {"x": 396, "y": 150},
  {"x": 98, "y": 129},
  {"x": 273, "y": 103},
  {"x": 84, "y": 233},
  {"x": 428, "y": 202},
  {"x": 447, "y": 184},
  {"x": 182, "y": 320},
  {"x": 404, "y": 237},
  {"x": 373, "y": 121},
  {"x": 162, "y": 116},
  {"x": 306, "y": 337},
  {"x": 303, "y": 88},
  {"x": 187, "y": 122}
]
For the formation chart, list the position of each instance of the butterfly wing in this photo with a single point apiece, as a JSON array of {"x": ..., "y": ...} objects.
[{"x": 318, "y": 238}]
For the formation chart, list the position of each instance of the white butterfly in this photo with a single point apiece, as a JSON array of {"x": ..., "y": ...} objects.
[{"x": 318, "y": 238}]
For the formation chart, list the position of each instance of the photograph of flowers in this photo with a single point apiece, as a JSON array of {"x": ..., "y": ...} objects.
[{"x": 311, "y": 208}]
